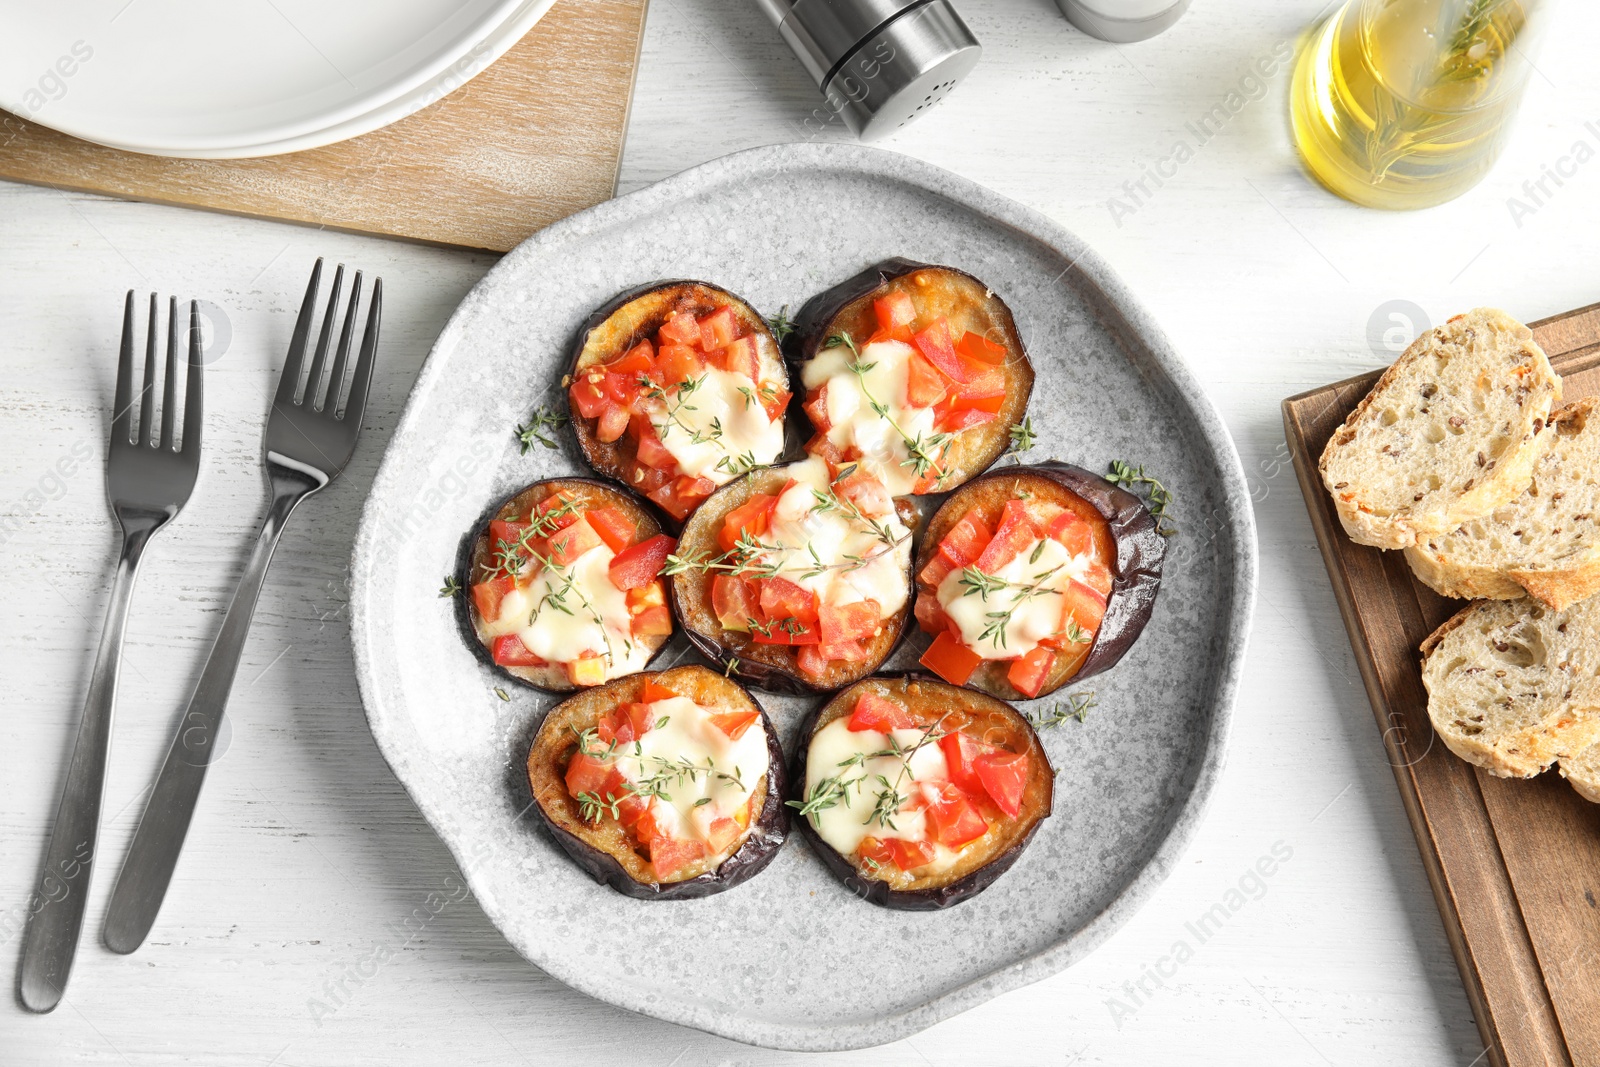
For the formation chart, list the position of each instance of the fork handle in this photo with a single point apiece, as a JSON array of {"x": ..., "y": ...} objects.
[
  {"x": 152, "y": 857},
  {"x": 63, "y": 886}
]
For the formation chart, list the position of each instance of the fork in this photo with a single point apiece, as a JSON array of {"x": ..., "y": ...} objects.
[
  {"x": 309, "y": 441},
  {"x": 148, "y": 482}
]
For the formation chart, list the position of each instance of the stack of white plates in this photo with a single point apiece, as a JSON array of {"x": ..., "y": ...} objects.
[{"x": 208, "y": 80}]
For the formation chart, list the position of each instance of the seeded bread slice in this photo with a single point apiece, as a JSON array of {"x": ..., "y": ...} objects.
[
  {"x": 1583, "y": 771},
  {"x": 1546, "y": 542},
  {"x": 1513, "y": 686},
  {"x": 1448, "y": 434}
]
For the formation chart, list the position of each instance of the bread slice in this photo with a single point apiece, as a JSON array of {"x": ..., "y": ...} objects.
[
  {"x": 1448, "y": 434},
  {"x": 1513, "y": 686},
  {"x": 1583, "y": 771},
  {"x": 1546, "y": 542}
]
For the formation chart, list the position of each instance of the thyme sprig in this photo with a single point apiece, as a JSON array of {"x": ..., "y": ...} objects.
[
  {"x": 557, "y": 598},
  {"x": 451, "y": 587},
  {"x": 509, "y": 557},
  {"x": 976, "y": 582},
  {"x": 835, "y": 789},
  {"x": 1077, "y": 707},
  {"x": 743, "y": 463},
  {"x": 1159, "y": 496},
  {"x": 924, "y": 454},
  {"x": 1023, "y": 435},
  {"x": 678, "y": 401},
  {"x": 543, "y": 419},
  {"x": 781, "y": 324},
  {"x": 658, "y": 774}
]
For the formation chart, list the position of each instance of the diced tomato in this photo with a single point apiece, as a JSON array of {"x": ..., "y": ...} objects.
[
  {"x": 783, "y": 599},
  {"x": 614, "y": 528},
  {"x": 773, "y": 403},
  {"x": 509, "y": 651},
  {"x": 652, "y": 453},
  {"x": 1027, "y": 673},
  {"x": 1074, "y": 534},
  {"x": 986, "y": 389},
  {"x": 929, "y": 482},
  {"x": 1014, "y": 534},
  {"x": 931, "y": 617},
  {"x": 845, "y": 651},
  {"x": 819, "y": 445},
  {"x": 613, "y": 423},
  {"x": 1098, "y": 578},
  {"x": 587, "y": 670},
  {"x": 639, "y": 564},
  {"x": 866, "y": 493},
  {"x": 680, "y": 329},
  {"x": 938, "y": 569},
  {"x": 977, "y": 347},
  {"x": 933, "y": 341},
  {"x": 649, "y": 595},
  {"x": 647, "y": 480},
  {"x": 953, "y": 818},
  {"x": 585, "y": 774},
  {"x": 1004, "y": 776},
  {"x": 895, "y": 311},
  {"x": 965, "y": 541},
  {"x": 669, "y": 855},
  {"x": 486, "y": 596},
  {"x": 1084, "y": 606},
  {"x": 588, "y": 395},
  {"x": 873, "y": 712},
  {"x": 683, "y": 495},
  {"x": 811, "y": 661},
  {"x": 568, "y": 544},
  {"x": 950, "y": 659},
  {"x": 960, "y": 750},
  {"x": 631, "y": 808},
  {"x": 906, "y": 855},
  {"x": 816, "y": 409},
  {"x": 964, "y": 419},
  {"x": 739, "y": 357},
  {"x": 654, "y": 691},
  {"x": 849, "y": 622},
  {"x": 640, "y": 359},
  {"x": 653, "y": 622},
  {"x": 555, "y": 502},
  {"x": 509, "y": 532},
  {"x": 753, "y": 517},
  {"x": 626, "y": 722},
  {"x": 924, "y": 385},
  {"x": 678, "y": 363},
  {"x": 622, "y": 389},
  {"x": 736, "y": 601},
  {"x": 722, "y": 833},
  {"x": 734, "y": 723},
  {"x": 718, "y": 329}
]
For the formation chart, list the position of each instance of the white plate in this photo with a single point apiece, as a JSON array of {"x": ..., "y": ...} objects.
[
  {"x": 187, "y": 78},
  {"x": 791, "y": 958}
]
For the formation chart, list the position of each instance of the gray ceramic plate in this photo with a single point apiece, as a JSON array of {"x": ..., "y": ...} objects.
[{"x": 790, "y": 959}]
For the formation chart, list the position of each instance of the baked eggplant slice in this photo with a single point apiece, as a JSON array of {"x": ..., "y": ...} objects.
[
  {"x": 917, "y": 372},
  {"x": 665, "y": 785},
  {"x": 797, "y": 576},
  {"x": 1031, "y": 576},
  {"x": 565, "y": 586},
  {"x": 919, "y": 794},
  {"x": 676, "y": 388}
]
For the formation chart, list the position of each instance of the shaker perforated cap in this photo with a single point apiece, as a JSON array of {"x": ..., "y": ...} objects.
[{"x": 879, "y": 63}]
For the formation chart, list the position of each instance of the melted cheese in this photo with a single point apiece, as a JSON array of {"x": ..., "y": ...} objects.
[
  {"x": 529, "y": 611},
  {"x": 728, "y": 771},
  {"x": 801, "y": 527},
  {"x": 1039, "y": 616},
  {"x": 845, "y": 824},
  {"x": 853, "y": 421},
  {"x": 716, "y": 423}
]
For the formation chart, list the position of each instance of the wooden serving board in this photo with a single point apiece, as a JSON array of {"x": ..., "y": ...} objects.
[
  {"x": 534, "y": 138},
  {"x": 1514, "y": 864}
]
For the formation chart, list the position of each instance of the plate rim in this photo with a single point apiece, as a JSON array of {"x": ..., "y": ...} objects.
[
  {"x": 408, "y": 93},
  {"x": 1239, "y": 525}
]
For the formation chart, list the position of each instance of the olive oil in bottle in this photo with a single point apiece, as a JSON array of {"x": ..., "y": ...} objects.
[{"x": 1407, "y": 103}]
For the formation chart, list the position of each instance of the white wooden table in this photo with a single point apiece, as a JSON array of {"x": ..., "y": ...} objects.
[{"x": 306, "y": 856}]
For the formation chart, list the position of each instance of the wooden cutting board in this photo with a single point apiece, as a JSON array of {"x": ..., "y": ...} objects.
[
  {"x": 534, "y": 138},
  {"x": 1514, "y": 865}
]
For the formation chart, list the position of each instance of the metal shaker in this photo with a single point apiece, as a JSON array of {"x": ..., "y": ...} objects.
[
  {"x": 1122, "y": 21},
  {"x": 879, "y": 63}
]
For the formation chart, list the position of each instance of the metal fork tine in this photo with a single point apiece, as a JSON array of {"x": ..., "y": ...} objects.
[
  {"x": 147, "y": 395},
  {"x": 193, "y": 403},
  {"x": 362, "y": 379},
  {"x": 169, "y": 387},
  {"x": 342, "y": 359},
  {"x": 121, "y": 414},
  {"x": 314, "y": 381},
  {"x": 289, "y": 382}
]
